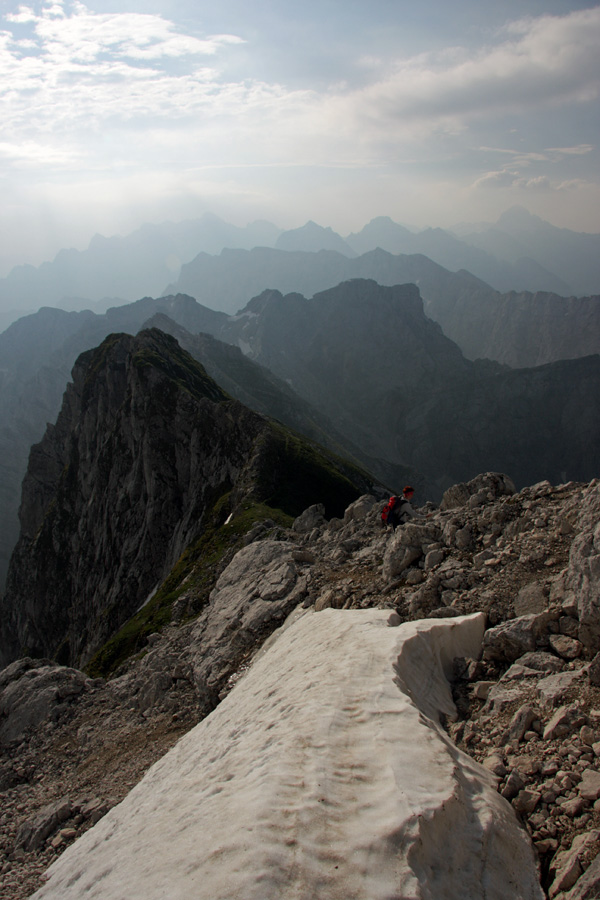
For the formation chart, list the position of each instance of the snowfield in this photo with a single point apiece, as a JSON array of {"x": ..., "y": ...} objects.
[{"x": 323, "y": 774}]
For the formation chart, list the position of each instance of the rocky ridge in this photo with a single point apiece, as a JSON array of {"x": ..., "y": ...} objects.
[
  {"x": 528, "y": 709},
  {"x": 147, "y": 455}
]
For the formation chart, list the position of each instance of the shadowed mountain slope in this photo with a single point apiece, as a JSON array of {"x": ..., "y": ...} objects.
[{"x": 369, "y": 358}]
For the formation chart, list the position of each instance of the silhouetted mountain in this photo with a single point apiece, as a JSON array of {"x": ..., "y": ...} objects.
[
  {"x": 575, "y": 256},
  {"x": 483, "y": 322},
  {"x": 368, "y": 357},
  {"x": 311, "y": 238},
  {"x": 228, "y": 281},
  {"x": 125, "y": 267},
  {"x": 380, "y": 232},
  {"x": 454, "y": 254}
]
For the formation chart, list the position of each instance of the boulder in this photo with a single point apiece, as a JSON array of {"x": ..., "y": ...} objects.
[
  {"x": 405, "y": 548},
  {"x": 510, "y": 640},
  {"x": 564, "y": 646},
  {"x": 359, "y": 510},
  {"x": 594, "y": 670},
  {"x": 587, "y": 887},
  {"x": 564, "y": 721},
  {"x": 484, "y": 488},
  {"x": 553, "y": 688},
  {"x": 589, "y": 786},
  {"x": 583, "y": 576},
  {"x": 521, "y": 722},
  {"x": 567, "y": 864},
  {"x": 532, "y": 598},
  {"x": 34, "y": 832},
  {"x": 541, "y": 661},
  {"x": 35, "y": 694},
  {"x": 251, "y": 598},
  {"x": 313, "y": 517}
]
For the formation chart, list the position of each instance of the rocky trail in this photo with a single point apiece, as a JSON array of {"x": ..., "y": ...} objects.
[{"x": 528, "y": 708}]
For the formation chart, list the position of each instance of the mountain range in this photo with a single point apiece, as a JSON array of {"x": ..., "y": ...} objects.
[
  {"x": 520, "y": 252},
  {"x": 517, "y": 329},
  {"x": 359, "y": 368}
]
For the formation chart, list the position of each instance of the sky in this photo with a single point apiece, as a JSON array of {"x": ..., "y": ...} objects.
[{"x": 120, "y": 112}]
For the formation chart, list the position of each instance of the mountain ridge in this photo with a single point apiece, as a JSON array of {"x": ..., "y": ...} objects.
[{"x": 145, "y": 445}]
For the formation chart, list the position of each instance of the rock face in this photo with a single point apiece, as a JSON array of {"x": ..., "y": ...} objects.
[
  {"x": 583, "y": 576},
  {"x": 145, "y": 445},
  {"x": 520, "y": 329}
]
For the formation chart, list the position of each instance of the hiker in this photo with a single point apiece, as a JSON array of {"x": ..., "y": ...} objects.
[{"x": 398, "y": 510}]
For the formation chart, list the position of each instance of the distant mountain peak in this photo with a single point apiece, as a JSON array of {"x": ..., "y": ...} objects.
[
  {"x": 519, "y": 216},
  {"x": 312, "y": 237}
]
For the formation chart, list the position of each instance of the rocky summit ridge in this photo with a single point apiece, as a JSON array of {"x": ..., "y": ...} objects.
[
  {"x": 528, "y": 707},
  {"x": 148, "y": 456}
]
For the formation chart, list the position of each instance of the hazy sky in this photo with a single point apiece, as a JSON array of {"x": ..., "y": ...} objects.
[{"x": 116, "y": 112}]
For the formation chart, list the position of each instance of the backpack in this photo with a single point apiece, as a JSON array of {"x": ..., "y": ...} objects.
[{"x": 389, "y": 506}]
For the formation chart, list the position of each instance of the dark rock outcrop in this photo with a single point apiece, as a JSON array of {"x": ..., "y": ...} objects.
[
  {"x": 38, "y": 352},
  {"x": 145, "y": 445}
]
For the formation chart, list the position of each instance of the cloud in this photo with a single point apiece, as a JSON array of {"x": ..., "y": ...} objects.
[
  {"x": 579, "y": 150},
  {"x": 76, "y": 66},
  {"x": 512, "y": 179},
  {"x": 537, "y": 63}
]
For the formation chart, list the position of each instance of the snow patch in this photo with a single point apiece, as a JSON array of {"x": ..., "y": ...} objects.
[{"x": 324, "y": 773}]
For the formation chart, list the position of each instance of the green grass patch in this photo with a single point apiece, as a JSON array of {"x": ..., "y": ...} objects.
[
  {"x": 194, "y": 574},
  {"x": 294, "y": 473}
]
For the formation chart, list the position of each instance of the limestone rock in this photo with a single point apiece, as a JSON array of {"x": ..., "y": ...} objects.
[
  {"x": 483, "y": 488},
  {"x": 566, "y": 865},
  {"x": 358, "y": 510},
  {"x": 510, "y": 640},
  {"x": 541, "y": 661},
  {"x": 587, "y": 887},
  {"x": 406, "y": 547},
  {"x": 531, "y": 599},
  {"x": 564, "y": 721},
  {"x": 583, "y": 576},
  {"x": 594, "y": 670},
  {"x": 34, "y": 694},
  {"x": 564, "y": 646},
  {"x": 553, "y": 688},
  {"x": 243, "y": 610},
  {"x": 589, "y": 786},
  {"x": 521, "y": 722},
  {"x": 311, "y": 518},
  {"x": 34, "y": 832}
]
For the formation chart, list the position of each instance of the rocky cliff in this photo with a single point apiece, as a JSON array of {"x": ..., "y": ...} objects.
[
  {"x": 145, "y": 448},
  {"x": 38, "y": 352}
]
